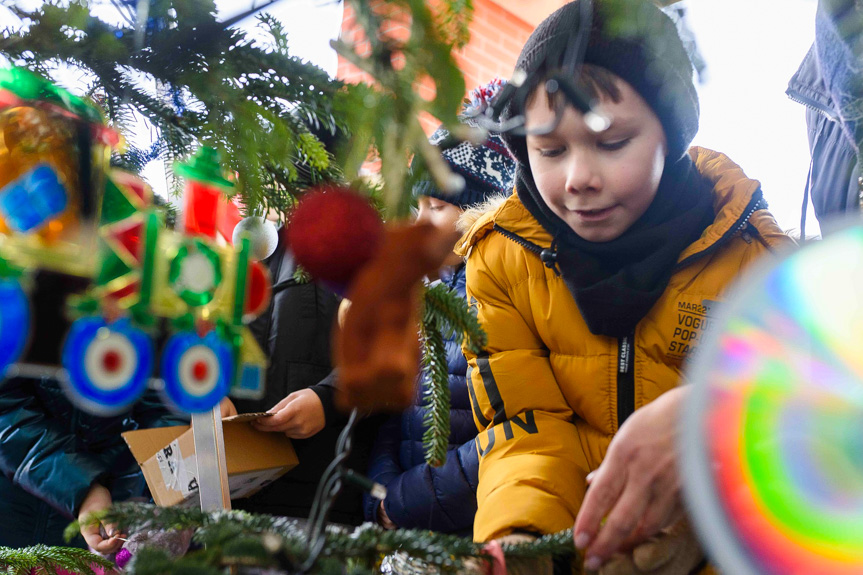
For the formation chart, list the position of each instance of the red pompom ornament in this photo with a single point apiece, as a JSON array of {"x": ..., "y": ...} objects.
[{"x": 333, "y": 232}]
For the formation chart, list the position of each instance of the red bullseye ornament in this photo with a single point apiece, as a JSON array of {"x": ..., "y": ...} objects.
[
  {"x": 197, "y": 371},
  {"x": 107, "y": 364},
  {"x": 111, "y": 362},
  {"x": 333, "y": 233}
]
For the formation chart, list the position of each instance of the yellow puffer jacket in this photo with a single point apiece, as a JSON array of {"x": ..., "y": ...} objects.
[{"x": 547, "y": 394}]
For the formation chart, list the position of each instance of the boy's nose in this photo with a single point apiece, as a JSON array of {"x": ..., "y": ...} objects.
[{"x": 582, "y": 174}]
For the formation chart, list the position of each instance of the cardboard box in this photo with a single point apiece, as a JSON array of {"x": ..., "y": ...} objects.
[{"x": 167, "y": 457}]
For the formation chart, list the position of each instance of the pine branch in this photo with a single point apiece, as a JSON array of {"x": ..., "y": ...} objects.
[
  {"x": 456, "y": 16},
  {"x": 45, "y": 560},
  {"x": 243, "y": 539},
  {"x": 436, "y": 393},
  {"x": 560, "y": 543},
  {"x": 442, "y": 307},
  {"x": 455, "y": 315},
  {"x": 385, "y": 120},
  {"x": 252, "y": 104}
]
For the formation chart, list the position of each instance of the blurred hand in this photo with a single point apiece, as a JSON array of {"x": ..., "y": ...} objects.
[
  {"x": 227, "y": 408},
  {"x": 299, "y": 415},
  {"x": 97, "y": 499},
  {"x": 637, "y": 487},
  {"x": 674, "y": 551},
  {"x": 383, "y": 519},
  {"x": 344, "y": 306}
]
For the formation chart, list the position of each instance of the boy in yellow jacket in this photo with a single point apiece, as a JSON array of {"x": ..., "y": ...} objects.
[{"x": 600, "y": 274}]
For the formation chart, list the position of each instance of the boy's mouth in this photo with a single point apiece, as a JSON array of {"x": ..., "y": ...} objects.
[{"x": 593, "y": 215}]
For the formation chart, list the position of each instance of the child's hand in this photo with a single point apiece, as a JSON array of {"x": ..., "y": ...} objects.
[
  {"x": 299, "y": 415},
  {"x": 637, "y": 487},
  {"x": 384, "y": 519},
  {"x": 97, "y": 499},
  {"x": 344, "y": 306},
  {"x": 226, "y": 406},
  {"x": 674, "y": 551}
]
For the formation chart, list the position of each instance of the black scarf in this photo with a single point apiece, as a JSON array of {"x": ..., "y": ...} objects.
[{"x": 616, "y": 283}]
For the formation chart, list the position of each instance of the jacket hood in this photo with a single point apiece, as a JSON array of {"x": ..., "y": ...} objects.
[{"x": 733, "y": 195}]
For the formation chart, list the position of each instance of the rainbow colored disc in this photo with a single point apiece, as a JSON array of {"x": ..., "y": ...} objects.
[
  {"x": 14, "y": 322},
  {"x": 773, "y": 441},
  {"x": 107, "y": 365},
  {"x": 197, "y": 371}
]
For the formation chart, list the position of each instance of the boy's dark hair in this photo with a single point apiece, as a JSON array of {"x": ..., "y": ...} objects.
[
  {"x": 598, "y": 83},
  {"x": 634, "y": 40}
]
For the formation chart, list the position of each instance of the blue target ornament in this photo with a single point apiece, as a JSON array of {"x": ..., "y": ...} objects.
[
  {"x": 14, "y": 322},
  {"x": 108, "y": 365},
  {"x": 197, "y": 371}
]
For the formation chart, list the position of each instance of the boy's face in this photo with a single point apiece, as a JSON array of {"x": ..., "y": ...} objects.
[{"x": 599, "y": 184}]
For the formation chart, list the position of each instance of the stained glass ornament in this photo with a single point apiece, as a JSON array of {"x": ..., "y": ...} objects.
[
  {"x": 14, "y": 322},
  {"x": 197, "y": 371},
  {"x": 30, "y": 202},
  {"x": 196, "y": 273},
  {"x": 204, "y": 192},
  {"x": 107, "y": 365}
]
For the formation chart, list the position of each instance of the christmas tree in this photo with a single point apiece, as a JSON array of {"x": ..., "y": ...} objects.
[{"x": 207, "y": 84}]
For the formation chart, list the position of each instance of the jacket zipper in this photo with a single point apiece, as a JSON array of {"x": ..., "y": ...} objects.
[
  {"x": 756, "y": 203},
  {"x": 548, "y": 255},
  {"x": 812, "y": 105},
  {"x": 625, "y": 347},
  {"x": 625, "y": 378}
]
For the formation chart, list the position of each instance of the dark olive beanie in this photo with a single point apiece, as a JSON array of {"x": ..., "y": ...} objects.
[{"x": 636, "y": 41}]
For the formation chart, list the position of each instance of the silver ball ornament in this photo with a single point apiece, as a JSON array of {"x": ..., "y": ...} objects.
[{"x": 262, "y": 234}]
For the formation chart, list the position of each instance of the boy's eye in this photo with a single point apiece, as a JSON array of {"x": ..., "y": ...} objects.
[
  {"x": 612, "y": 146},
  {"x": 551, "y": 153}
]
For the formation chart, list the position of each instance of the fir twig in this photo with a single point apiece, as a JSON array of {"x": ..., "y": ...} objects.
[
  {"x": 560, "y": 543},
  {"x": 445, "y": 313},
  {"x": 45, "y": 560},
  {"x": 436, "y": 393},
  {"x": 456, "y": 316}
]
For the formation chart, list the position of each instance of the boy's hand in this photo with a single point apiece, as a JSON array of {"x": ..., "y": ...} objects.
[
  {"x": 674, "y": 551},
  {"x": 299, "y": 415},
  {"x": 637, "y": 487},
  {"x": 97, "y": 499},
  {"x": 384, "y": 519},
  {"x": 227, "y": 407}
]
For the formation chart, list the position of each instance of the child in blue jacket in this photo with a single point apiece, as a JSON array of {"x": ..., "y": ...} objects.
[{"x": 420, "y": 496}]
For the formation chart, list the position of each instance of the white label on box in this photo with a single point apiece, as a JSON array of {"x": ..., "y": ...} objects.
[
  {"x": 177, "y": 473},
  {"x": 242, "y": 484}
]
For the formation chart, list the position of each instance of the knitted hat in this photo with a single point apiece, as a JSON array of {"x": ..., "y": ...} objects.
[
  {"x": 634, "y": 40},
  {"x": 487, "y": 169}
]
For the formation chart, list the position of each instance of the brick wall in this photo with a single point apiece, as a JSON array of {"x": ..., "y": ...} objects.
[
  {"x": 495, "y": 42},
  {"x": 497, "y": 35}
]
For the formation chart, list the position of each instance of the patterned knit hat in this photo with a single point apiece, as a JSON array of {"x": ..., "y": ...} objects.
[
  {"x": 636, "y": 41},
  {"x": 487, "y": 169}
]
